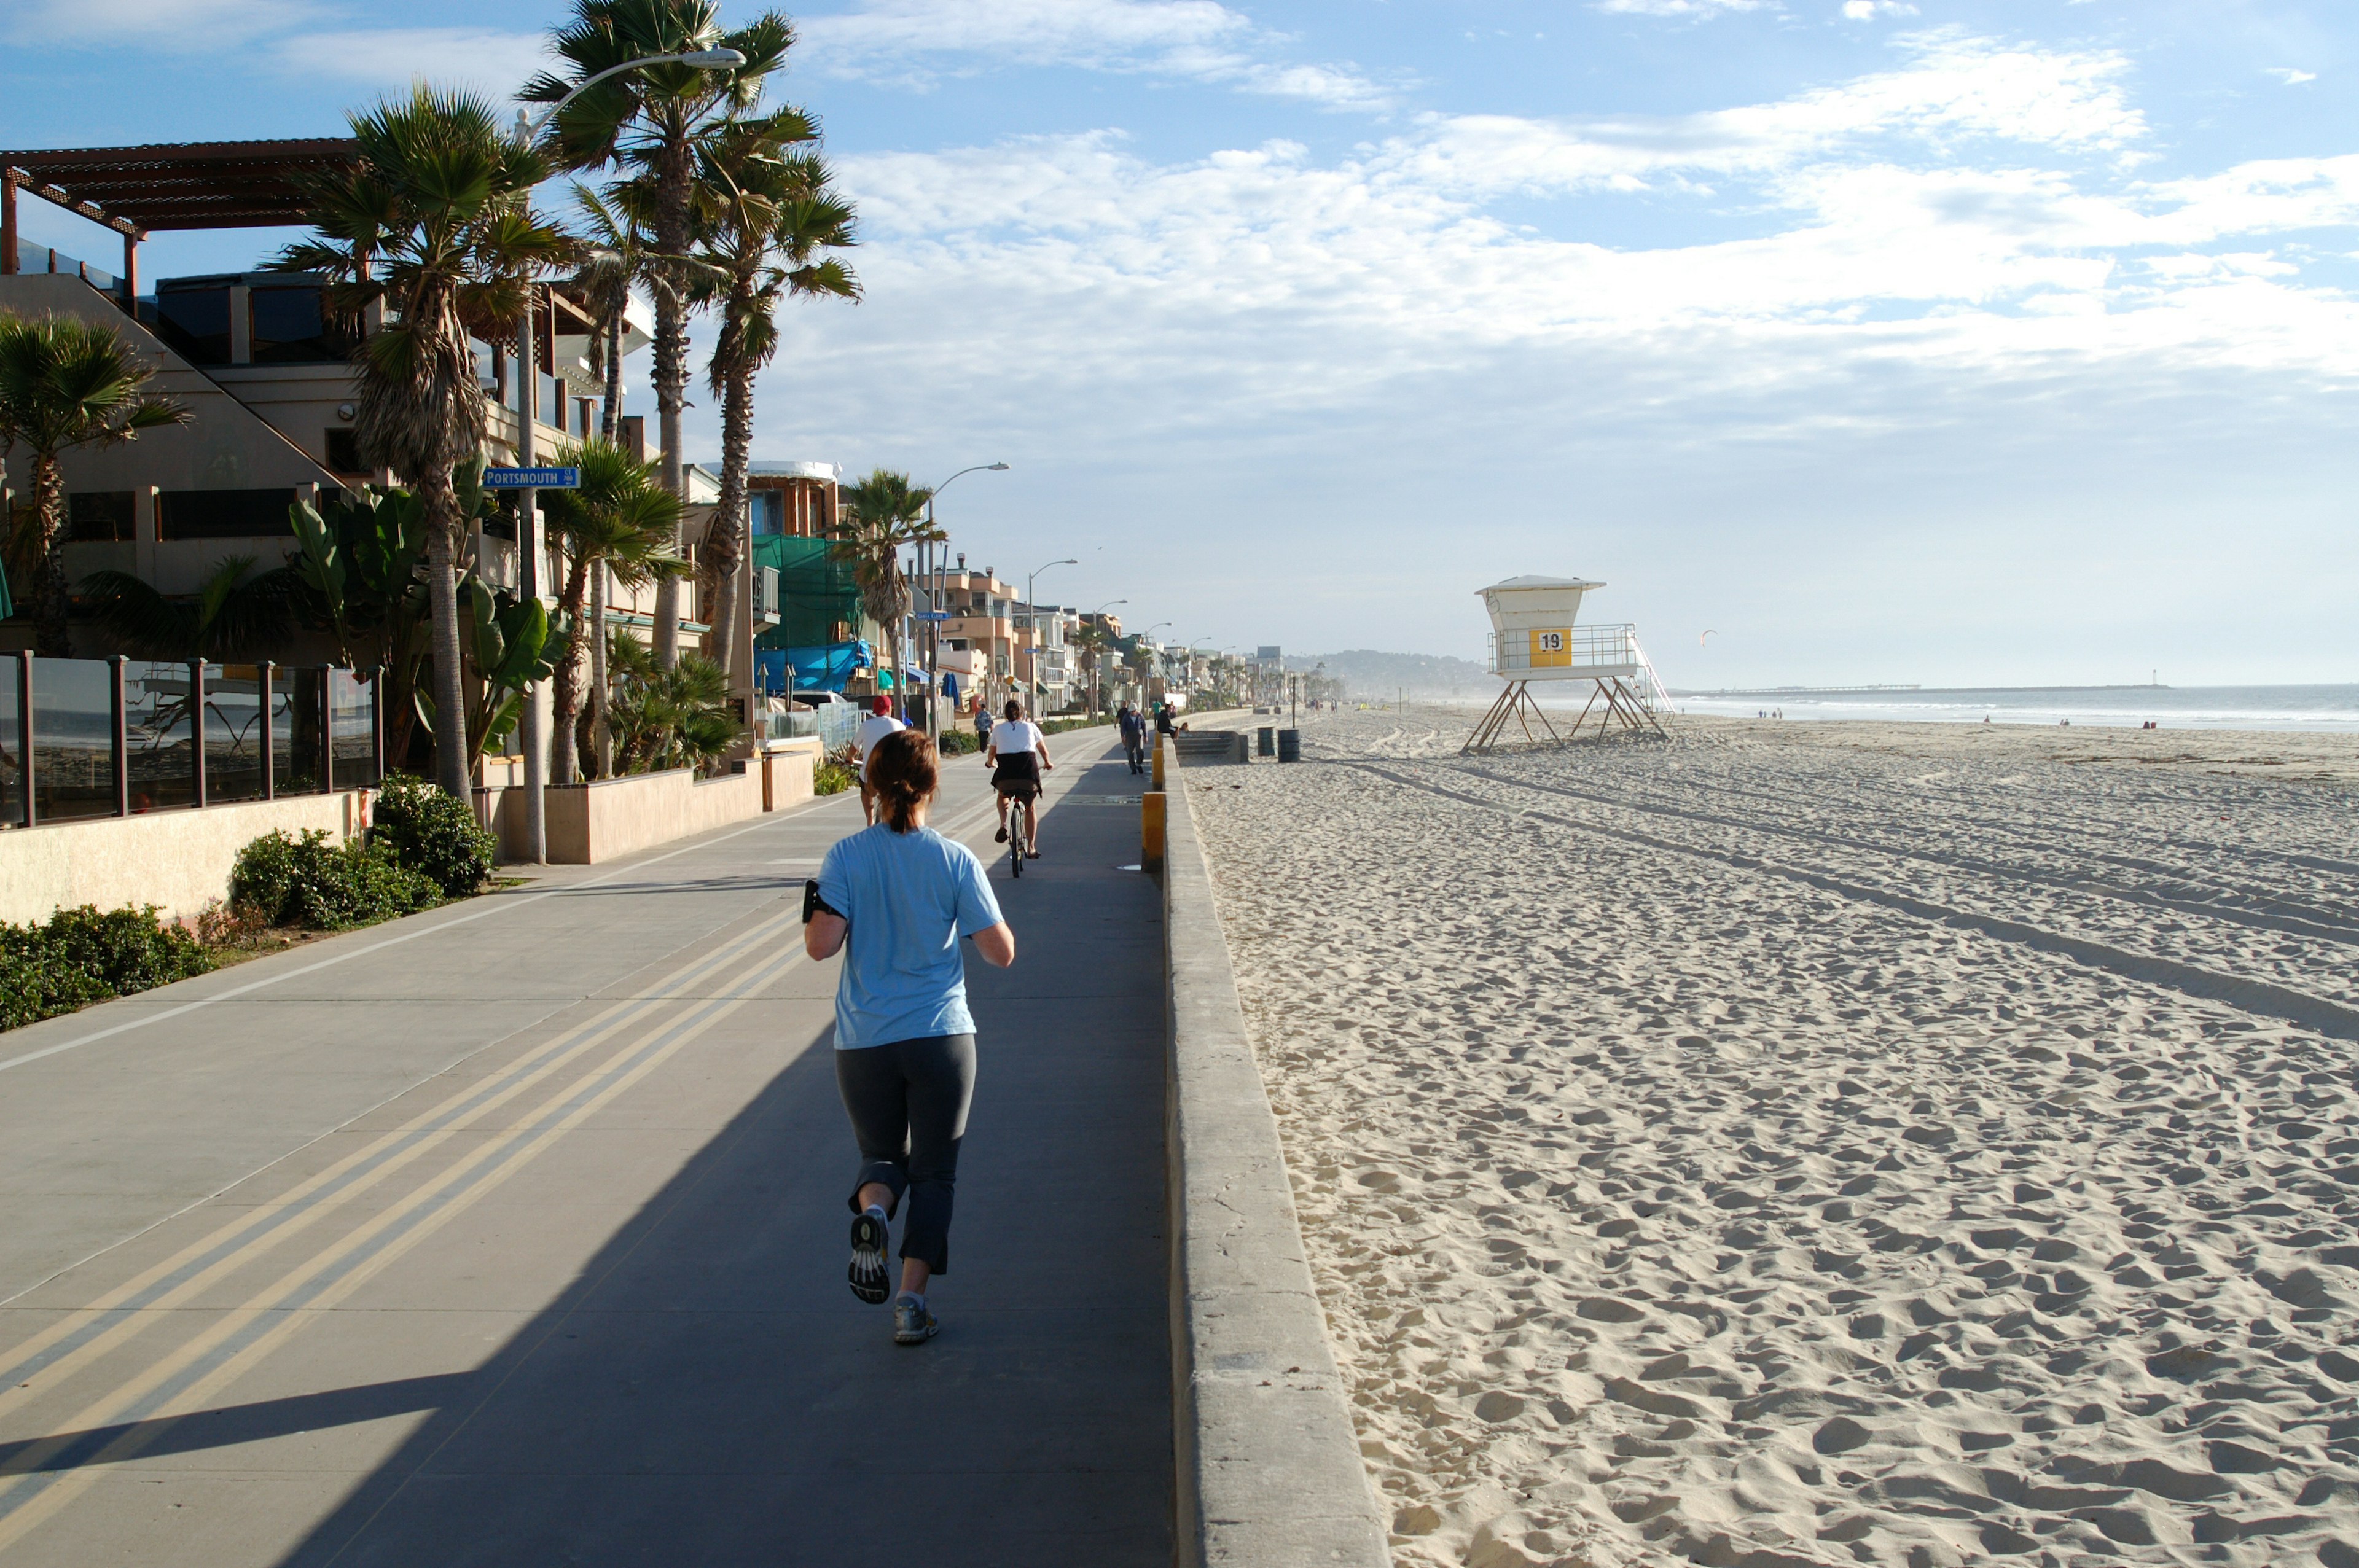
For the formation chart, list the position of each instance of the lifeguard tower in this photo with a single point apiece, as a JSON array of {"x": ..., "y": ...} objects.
[{"x": 1533, "y": 638}]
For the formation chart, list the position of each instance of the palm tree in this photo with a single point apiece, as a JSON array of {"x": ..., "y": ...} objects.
[
  {"x": 765, "y": 213},
  {"x": 1091, "y": 641},
  {"x": 678, "y": 718},
  {"x": 621, "y": 523},
  {"x": 238, "y": 612},
  {"x": 876, "y": 518},
  {"x": 67, "y": 383},
  {"x": 650, "y": 119},
  {"x": 621, "y": 257},
  {"x": 434, "y": 219}
]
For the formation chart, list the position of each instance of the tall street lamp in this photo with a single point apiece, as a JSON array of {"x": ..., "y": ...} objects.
[
  {"x": 930, "y": 568},
  {"x": 1032, "y": 620},
  {"x": 528, "y": 585}
]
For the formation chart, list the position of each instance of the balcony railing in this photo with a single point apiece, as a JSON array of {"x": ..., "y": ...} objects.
[
  {"x": 1570, "y": 651},
  {"x": 85, "y": 738}
]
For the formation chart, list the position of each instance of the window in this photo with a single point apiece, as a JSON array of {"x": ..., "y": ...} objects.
[
  {"x": 765, "y": 513},
  {"x": 195, "y": 322},
  {"x": 291, "y": 327},
  {"x": 223, "y": 513},
  {"x": 99, "y": 515},
  {"x": 344, "y": 450},
  {"x": 955, "y": 644}
]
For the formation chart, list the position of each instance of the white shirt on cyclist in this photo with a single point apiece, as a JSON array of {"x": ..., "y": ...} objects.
[
  {"x": 872, "y": 729},
  {"x": 1010, "y": 736}
]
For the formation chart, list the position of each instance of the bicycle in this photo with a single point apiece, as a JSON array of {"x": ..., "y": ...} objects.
[{"x": 1019, "y": 833}]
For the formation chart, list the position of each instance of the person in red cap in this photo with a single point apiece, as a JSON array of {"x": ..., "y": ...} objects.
[{"x": 872, "y": 729}]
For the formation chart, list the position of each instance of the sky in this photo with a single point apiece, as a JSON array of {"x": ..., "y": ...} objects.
[{"x": 1952, "y": 343}]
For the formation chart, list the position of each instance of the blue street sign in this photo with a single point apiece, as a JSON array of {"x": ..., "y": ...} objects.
[
  {"x": 933, "y": 615},
  {"x": 532, "y": 478}
]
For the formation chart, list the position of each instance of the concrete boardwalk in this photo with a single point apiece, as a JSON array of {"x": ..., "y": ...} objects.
[{"x": 514, "y": 1234}]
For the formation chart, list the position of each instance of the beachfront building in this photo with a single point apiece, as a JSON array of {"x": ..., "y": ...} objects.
[
  {"x": 261, "y": 364},
  {"x": 982, "y": 637}
]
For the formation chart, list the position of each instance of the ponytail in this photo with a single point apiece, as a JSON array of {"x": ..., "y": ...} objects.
[{"x": 905, "y": 773}]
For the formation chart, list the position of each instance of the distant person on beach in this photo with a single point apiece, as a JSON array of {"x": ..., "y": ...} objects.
[
  {"x": 1134, "y": 739},
  {"x": 1017, "y": 754},
  {"x": 1163, "y": 719},
  {"x": 879, "y": 723},
  {"x": 894, "y": 899}
]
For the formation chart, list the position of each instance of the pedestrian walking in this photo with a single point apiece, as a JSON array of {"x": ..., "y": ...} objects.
[
  {"x": 894, "y": 899},
  {"x": 1133, "y": 738},
  {"x": 879, "y": 723}
]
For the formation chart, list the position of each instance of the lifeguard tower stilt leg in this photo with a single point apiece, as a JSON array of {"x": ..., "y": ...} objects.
[{"x": 1515, "y": 702}]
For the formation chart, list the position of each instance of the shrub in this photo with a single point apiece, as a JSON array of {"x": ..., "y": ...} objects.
[
  {"x": 832, "y": 777},
  {"x": 957, "y": 741},
  {"x": 309, "y": 882},
  {"x": 82, "y": 955},
  {"x": 433, "y": 834}
]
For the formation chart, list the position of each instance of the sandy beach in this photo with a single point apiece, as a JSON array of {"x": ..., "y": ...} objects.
[{"x": 1821, "y": 1143}]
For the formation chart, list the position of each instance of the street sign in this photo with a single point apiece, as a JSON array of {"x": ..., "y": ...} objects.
[
  {"x": 934, "y": 615},
  {"x": 532, "y": 478}
]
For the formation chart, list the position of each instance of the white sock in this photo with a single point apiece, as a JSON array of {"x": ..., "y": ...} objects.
[{"x": 875, "y": 1208}]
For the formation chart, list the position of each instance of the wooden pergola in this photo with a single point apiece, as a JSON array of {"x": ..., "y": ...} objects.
[{"x": 137, "y": 191}]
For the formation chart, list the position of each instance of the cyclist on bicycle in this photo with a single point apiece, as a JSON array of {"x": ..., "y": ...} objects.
[{"x": 1016, "y": 755}]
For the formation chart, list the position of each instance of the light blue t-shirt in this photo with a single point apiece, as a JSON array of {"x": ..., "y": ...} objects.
[{"x": 909, "y": 897}]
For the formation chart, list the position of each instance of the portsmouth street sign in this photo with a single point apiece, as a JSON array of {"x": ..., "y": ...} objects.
[
  {"x": 532, "y": 478},
  {"x": 932, "y": 615}
]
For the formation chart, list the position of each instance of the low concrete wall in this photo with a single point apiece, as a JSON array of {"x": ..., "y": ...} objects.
[
  {"x": 1269, "y": 1470},
  {"x": 590, "y": 824},
  {"x": 176, "y": 861}
]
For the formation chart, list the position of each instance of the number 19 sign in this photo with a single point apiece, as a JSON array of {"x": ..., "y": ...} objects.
[{"x": 1551, "y": 649}]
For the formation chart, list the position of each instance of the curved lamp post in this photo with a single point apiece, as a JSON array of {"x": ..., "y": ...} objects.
[
  {"x": 528, "y": 585},
  {"x": 1032, "y": 619},
  {"x": 930, "y": 572}
]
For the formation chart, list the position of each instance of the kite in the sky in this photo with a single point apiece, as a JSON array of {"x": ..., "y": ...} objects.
[{"x": 1700, "y": 641}]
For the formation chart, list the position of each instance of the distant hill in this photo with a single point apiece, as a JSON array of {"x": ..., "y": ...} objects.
[{"x": 1368, "y": 676}]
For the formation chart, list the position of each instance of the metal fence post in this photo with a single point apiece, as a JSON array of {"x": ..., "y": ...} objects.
[
  {"x": 199, "y": 792},
  {"x": 327, "y": 730},
  {"x": 25, "y": 716},
  {"x": 263, "y": 683},
  {"x": 376, "y": 722},
  {"x": 121, "y": 738}
]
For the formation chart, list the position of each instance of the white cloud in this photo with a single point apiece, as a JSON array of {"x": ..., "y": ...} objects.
[
  {"x": 1682, "y": 8},
  {"x": 1869, "y": 10},
  {"x": 913, "y": 41},
  {"x": 489, "y": 59},
  {"x": 2292, "y": 77}
]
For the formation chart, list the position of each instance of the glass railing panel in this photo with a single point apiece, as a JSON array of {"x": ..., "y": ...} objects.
[
  {"x": 159, "y": 725},
  {"x": 73, "y": 738},
  {"x": 352, "y": 723},
  {"x": 296, "y": 712},
  {"x": 233, "y": 733},
  {"x": 12, "y": 748}
]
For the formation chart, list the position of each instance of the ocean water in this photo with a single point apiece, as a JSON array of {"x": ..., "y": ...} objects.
[{"x": 2326, "y": 708}]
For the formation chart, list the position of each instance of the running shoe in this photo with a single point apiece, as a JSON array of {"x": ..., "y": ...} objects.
[
  {"x": 913, "y": 1323},
  {"x": 868, "y": 1239}
]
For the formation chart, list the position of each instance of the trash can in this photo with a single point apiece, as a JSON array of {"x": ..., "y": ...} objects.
[
  {"x": 1266, "y": 740},
  {"x": 1289, "y": 745}
]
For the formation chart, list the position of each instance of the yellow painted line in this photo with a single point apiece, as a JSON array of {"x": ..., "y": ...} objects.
[
  {"x": 569, "y": 1046},
  {"x": 109, "y": 1406}
]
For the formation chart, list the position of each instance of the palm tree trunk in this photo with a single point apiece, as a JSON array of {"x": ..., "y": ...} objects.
[
  {"x": 726, "y": 540},
  {"x": 442, "y": 598},
  {"x": 52, "y": 601},
  {"x": 610, "y": 424},
  {"x": 565, "y": 697},
  {"x": 602, "y": 737},
  {"x": 674, "y": 175}
]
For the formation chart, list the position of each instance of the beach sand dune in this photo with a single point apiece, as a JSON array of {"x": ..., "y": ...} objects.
[{"x": 1790, "y": 1147}]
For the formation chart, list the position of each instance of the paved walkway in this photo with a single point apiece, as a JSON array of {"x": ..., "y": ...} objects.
[{"x": 514, "y": 1234}]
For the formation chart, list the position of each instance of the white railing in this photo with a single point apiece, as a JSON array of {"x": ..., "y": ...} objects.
[{"x": 1569, "y": 653}]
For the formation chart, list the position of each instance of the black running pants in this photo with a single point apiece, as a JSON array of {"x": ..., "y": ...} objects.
[{"x": 907, "y": 1102}]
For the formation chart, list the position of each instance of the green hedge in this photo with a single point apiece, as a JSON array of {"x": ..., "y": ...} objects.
[
  {"x": 435, "y": 835},
  {"x": 311, "y": 882},
  {"x": 80, "y": 956}
]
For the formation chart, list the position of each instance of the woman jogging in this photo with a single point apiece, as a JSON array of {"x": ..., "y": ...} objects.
[
  {"x": 894, "y": 899},
  {"x": 1016, "y": 755}
]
